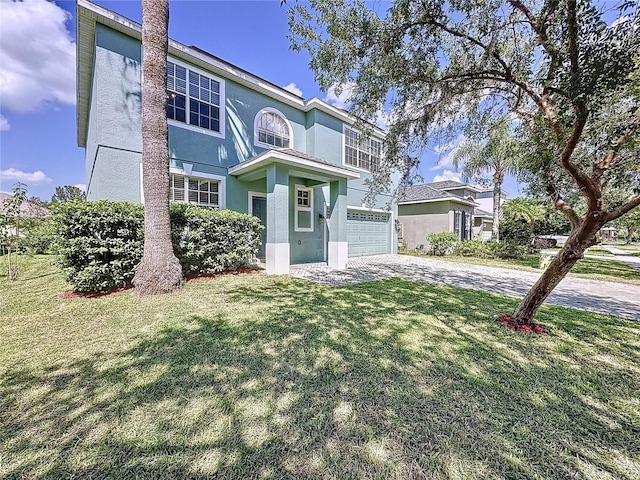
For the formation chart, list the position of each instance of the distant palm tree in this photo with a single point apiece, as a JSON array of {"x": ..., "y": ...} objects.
[
  {"x": 496, "y": 155},
  {"x": 159, "y": 270},
  {"x": 526, "y": 210}
]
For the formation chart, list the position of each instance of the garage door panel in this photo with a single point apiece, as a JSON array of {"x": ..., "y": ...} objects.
[{"x": 367, "y": 233}]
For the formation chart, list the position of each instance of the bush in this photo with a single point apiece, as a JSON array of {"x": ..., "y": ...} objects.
[
  {"x": 210, "y": 241},
  {"x": 40, "y": 236},
  {"x": 472, "y": 248},
  {"x": 506, "y": 250},
  {"x": 516, "y": 232},
  {"x": 441, "y": 243},
  {"x": 100, "y": 243}
]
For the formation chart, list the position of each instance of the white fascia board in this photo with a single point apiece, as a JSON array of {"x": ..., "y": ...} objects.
[
  {"x": 269, "y": 156},
  {"x": 365, "y": 209},
  {"x": 468, "y": 187}
]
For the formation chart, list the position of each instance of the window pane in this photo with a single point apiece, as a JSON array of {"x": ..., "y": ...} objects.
[
  {"x": 181, "y": 115},
  {"x": 193, "y": 118}
]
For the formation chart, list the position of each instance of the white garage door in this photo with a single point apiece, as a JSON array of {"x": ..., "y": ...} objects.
[{"x": 367, "y": 233}]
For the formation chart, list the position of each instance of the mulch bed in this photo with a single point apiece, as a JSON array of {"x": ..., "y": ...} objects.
[
  {"x": 189, "y": 278},
  {"x": 508, "y": 322}
]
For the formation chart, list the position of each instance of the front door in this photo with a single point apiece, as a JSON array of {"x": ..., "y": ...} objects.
[{"x": 259, "y": 209}]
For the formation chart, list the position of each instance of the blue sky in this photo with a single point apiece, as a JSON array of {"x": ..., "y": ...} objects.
[{"x": 38, "y": 143}]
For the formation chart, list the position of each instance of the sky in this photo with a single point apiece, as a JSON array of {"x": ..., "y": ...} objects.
[{"x": 38, "y": 141}]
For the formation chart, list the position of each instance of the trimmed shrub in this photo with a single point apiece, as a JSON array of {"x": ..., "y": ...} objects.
[
  {"x": 516, "y": 232},
  {"x": 210, "y": 241},
  {"x": 441, "y": 243},
  {"x": 472, "y": 248},
  {"x": 506, "y": 250},
  {"x": 100, "y": 243}
]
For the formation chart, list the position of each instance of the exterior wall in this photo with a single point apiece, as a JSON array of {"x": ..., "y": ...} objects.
[
  {"x": 482, "y": 229},
  {"x": 114, "y": 142},
  {"x": 462, "y": 193},
  {"x": 420, "y": 219}
]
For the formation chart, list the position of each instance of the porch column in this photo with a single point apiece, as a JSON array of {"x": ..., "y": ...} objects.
[
  {"x": 338, "y": 247},
  {"x": 277, "y": 247}
]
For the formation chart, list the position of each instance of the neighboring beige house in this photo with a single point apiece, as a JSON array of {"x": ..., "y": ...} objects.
[
  {"x": 27, "y": 210},
  {"x": 434, "y": 208},
  {"x": 482, "y": 224}
]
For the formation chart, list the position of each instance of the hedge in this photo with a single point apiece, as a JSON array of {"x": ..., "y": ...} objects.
[{"x": 100, "y": 243}]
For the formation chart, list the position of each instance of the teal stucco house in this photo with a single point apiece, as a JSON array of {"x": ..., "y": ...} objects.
[{"x": 236, "y": 141}]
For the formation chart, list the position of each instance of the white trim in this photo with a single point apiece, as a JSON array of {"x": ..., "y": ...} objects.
[
  {"x": 222, "y": 183},
  {"x": 344, "y": 148},
  {"x": 277, "y": 112},
  {"x": 375, "y": 210},
  {"x": 186, "y": 124},
  {"x": 250, "y": 200},
  {"x": 287, "y": 159},
  {"x": 298, "y": 208},
  {"x": 278, "y": 258}
]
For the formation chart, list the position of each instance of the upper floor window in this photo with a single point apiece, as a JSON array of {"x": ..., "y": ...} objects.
[
  {"x": 361, "y": 152},
  {"x": 193, "y": 98},
  {"x": 200, "y": 191},
  {"x": 272, "y": 129}
]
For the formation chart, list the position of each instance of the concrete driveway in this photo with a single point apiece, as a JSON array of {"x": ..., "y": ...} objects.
[{"x": 619, "y": 299}]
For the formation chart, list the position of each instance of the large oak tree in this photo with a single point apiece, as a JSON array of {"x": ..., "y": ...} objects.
[
  {"x": 159, "y": 271},
  {"x": 567, "y": 70}
]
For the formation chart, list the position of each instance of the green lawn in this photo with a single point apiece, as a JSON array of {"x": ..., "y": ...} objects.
[
  {"x": 598, "y": 251},
  {"x": 592, "y": 268},
  {"x": 255, "y": 376}
]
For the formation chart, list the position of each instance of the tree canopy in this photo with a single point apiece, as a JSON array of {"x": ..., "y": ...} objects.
[{"x": 566, "y": 72}]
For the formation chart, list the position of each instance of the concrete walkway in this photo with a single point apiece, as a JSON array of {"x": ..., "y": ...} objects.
[
  {"x": 623, "y": 256},
  {"x": 620, "y": 299}
]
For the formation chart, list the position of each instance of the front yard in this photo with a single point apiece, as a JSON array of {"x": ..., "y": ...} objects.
[{"x": 254, "y": 376}]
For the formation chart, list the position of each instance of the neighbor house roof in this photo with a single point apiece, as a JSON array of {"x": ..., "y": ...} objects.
[
  {"x": 427, "y": 193},
  {"x": 88, "y": 14},
  {"x": 27, "y": 209},
  {"x": 478, "y": 212},
  {"x": 452, "y": 184}
]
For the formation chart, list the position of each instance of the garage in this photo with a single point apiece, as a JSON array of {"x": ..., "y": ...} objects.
[{"x": 367, "y": 233}]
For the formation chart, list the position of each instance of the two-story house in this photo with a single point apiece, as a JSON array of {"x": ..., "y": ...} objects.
[{"x": 236, "y": 141}]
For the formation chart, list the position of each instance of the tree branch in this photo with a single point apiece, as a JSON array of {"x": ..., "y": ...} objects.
[
  {"x": 612, "y": 154},
  {"x": 629, "y": 204}
]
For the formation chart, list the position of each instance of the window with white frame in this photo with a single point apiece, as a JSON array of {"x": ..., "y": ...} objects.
[
  {"x": 361, "y": 152},
  {"x": 303, "y": 209},
  {"x": 200, "y": 191},
  {"x": 193, "y": 98},
  {"x": 272, "y": 129}
]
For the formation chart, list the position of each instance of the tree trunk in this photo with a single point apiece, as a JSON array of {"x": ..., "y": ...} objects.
[
  {"x": 573, "y": 250},
  {"x": 159, "y": 271},
  {"x": 498, "y": 177}
]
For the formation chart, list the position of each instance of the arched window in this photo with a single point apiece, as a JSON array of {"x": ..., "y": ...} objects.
[{"x": 272, "y": 129}]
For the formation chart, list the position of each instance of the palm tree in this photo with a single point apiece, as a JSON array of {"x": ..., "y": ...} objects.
[
  {"x": 528, "y": 211},
  {"x": 497, "y": 155},
  {"x": 159, "y": 270}
]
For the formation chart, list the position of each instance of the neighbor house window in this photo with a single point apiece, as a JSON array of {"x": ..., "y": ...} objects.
[
  {"x": 193, "y": 98},
  {"x": 199, "y": 191},
  {"x": 272, "y": 129},
  {"x": 303, "y": 209},
  {"x": 362, "y": 152}
]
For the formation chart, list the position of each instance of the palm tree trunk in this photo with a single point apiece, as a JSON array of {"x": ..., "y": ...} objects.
[
  {"x": 159, "y": 270},
  {"x": 498, "y": 177}
]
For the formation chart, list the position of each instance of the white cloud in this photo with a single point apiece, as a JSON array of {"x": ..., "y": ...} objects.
[
  {"x": 451, "y": 148},
  {"x": 293, "y": 88},
  {"x": 339, "y": 101},
  {"x": 447, "y": 175},
  {"x": 81, "y": 186},
  {"x": 4, "y": 123},
  {"x": 38, "y": 55},
  {"x": 36, "y": 178}
]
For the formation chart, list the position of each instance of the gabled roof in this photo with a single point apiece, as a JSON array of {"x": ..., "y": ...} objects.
[
  {"x": 427, "y": 193},
  {"x": 89, "y": 14},
  {"x": 478, "y": 212},
  {"x": 452, "y": 184}
]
